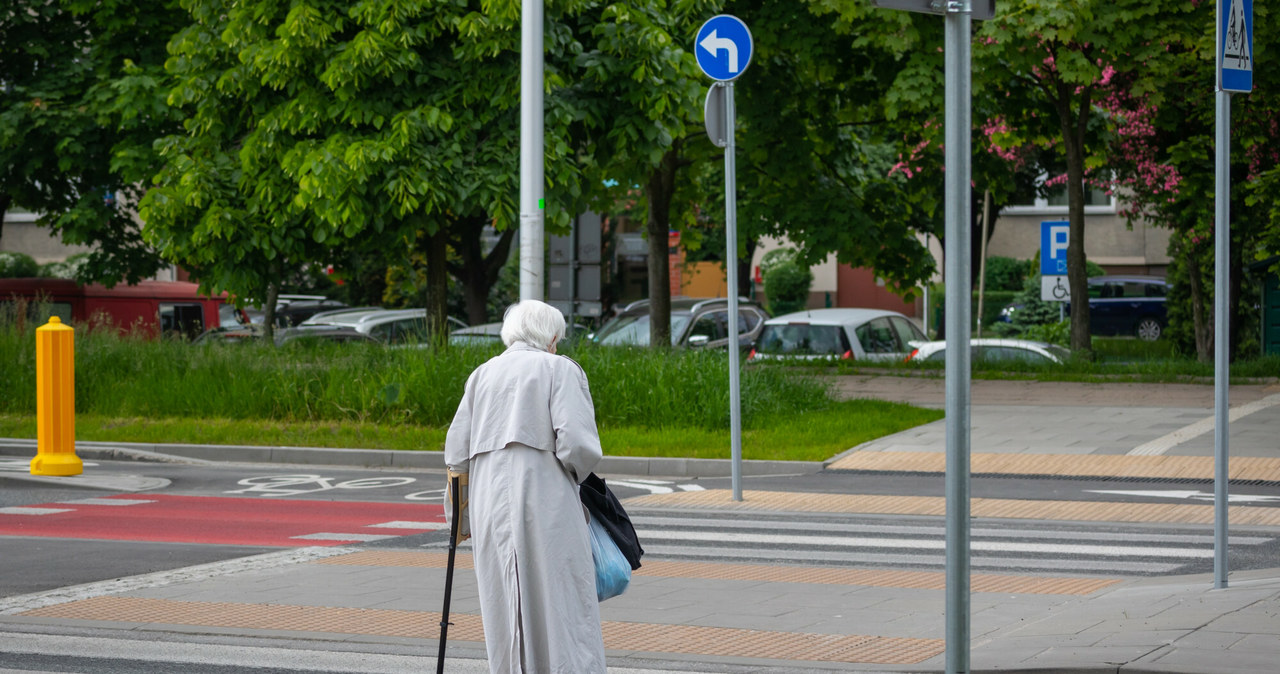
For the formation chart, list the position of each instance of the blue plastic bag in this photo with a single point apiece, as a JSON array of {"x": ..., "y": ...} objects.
[{"x": 613, "y": 571}]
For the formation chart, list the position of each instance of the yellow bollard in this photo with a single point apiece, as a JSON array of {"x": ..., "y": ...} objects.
[{"x": 55, "y": 401}]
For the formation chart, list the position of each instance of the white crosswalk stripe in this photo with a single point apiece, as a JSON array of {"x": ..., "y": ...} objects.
[{"x": 876, "y": 541}]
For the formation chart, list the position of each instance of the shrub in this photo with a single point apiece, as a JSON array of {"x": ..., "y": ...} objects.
[
  {"x": 17, "y": 265},
  {"x": 68, "y": 268},
  {"x": 1005, "y": 273},
  {"x": 786, "y": 282}
]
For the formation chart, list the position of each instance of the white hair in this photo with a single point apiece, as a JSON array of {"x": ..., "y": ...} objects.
[{"x": 535, "y": 323}]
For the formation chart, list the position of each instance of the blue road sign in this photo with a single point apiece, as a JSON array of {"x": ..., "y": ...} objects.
[
  {"x": 723, "y": 47},
  {"x": 1054, "y": 235},
  {"x": 1235, "y": 45}
]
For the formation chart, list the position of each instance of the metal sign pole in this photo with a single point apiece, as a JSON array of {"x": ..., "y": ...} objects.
[
  {"x": 1233, "y": 42},
  {"x": 731, "y": 280},
  {"x": 958, "y": 264},
  {"x": 1221, "y": 334},
  {"x": 723, "y": 49},
  {"x": 532, "y": 221}
]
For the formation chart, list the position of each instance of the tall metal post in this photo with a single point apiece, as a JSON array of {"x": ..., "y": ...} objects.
[
  {"x": 731, "y": 280},
  {"x": 1221, "y": 333},
  {"x": 532, "y": 219},
  {"x": 957, "y": 195}
]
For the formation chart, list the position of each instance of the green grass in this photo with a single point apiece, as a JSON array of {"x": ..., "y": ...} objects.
[
  {"x": 814, "y": 436},
  {"x": 1116, "y": 359}
]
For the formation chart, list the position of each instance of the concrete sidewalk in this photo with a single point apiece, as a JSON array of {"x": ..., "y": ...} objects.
[{"x": 712, "y": 616}]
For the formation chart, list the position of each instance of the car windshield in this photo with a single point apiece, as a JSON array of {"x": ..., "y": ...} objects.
[
  {"x": 801, "y": 339},
  {"x": 634, "y": 330}
]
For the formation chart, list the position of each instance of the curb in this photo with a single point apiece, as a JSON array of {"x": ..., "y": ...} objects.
[{"x": 391, "y": 458}]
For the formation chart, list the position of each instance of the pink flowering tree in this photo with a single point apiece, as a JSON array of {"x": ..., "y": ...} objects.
[
  {"x": 1162, "y": 156},
  {"x": 1051, "y": 62}
]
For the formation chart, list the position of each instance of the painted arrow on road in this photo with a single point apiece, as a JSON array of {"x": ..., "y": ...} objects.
[{"x": 1184, "y": 494}]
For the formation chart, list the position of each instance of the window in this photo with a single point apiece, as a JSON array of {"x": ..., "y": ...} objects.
[
  {"x": 1096, "y": 200},
  {"x": 712, "y": 325},
  {"x": 183, "y": 320},
  {"x": 877, "y": 336}
]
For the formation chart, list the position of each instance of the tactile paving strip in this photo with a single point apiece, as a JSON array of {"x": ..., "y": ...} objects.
[
  {"x": 645, "y": 637},
  {"x": 1084, "y": 511},
  {"x": 922, "y": 580},
  {"x": 1100, "y": 465}
]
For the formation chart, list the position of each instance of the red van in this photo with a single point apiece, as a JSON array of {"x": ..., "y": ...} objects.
[{"x": 150, "y": 307}]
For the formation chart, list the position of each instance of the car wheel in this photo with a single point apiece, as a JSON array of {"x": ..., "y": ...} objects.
[{"x": 1149, "y": 329}]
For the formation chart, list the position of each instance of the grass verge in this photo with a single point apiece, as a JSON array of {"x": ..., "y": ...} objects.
[{"x": 812, "y": 436}]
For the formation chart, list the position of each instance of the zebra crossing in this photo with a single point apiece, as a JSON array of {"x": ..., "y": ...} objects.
[{"x": 920, "y": 543}]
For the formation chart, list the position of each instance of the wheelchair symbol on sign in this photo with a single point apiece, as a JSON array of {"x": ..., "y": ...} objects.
[{"x": 1060, "y": 292}]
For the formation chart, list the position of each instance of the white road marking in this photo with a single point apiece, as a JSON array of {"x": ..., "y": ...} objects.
[
  {"x": 200, "y": 572},
  {"x": 327, "y": 536},
  {"x": 108, "y": 501},
  {"x": 925, "y": 544},
  {"x": 31, "y": 510},
  {"x": 425, "y": 526},
  {"x": 1165, "y": 443},
  {"x": 1183, "y": 494}
]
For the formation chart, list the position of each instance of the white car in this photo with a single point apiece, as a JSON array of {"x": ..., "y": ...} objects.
[
  {"x": 995, "y": 351},
  {"x": 844, "y": 334}
]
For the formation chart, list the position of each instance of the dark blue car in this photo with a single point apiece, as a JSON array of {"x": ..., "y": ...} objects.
[{"x": 1122, "y": 305}]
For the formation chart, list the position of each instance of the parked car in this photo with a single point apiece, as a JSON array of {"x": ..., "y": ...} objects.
[
  {"x": 336, "y": 316},
  {"x": 1121, "y": 305},
  {"x": 695, "y": 322},
  {"x": 487, "y": 333},
  {"x": 846, "y": 334},
  {"x": 312, "y": 334},
  {"x": 307, "y": 334},
  {"x": 295, "y": 311},
  {"x": 491, "y": 333},
  {"x": 994, "y": 351},
  {"x": 389, "y": 326}
]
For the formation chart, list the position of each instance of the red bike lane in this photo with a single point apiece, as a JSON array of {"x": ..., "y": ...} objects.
[{"x": 220, "y": 520}]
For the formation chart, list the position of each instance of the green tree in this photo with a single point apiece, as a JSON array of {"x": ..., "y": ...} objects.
[
  {"x": 325, "y": 126},
  {"x": 641, "y": 95},
  {"x": 81, "y": 102},
  {"x": 817, "y": 148}
]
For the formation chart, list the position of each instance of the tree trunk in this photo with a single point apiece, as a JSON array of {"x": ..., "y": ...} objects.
[
  {"x": 1073, "y": 136},
  {"x": 1235, "y": 308},
  {"x": 478, "y": 272},
  {"x": 658, "y": 192},
  {"x": 744, "y": 271},
  {"x": 437, "y": 290},
  {"x": 5, "y": 202},
  {"x": 269, "y": 309},
  {"x": 1200, "y": 322}
]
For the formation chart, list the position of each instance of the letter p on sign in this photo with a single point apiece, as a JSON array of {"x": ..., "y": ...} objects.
[{"x": 1054, "y": 236}]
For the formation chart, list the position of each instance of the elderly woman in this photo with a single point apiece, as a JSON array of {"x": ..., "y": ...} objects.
[{"x": 526, "y": 433}]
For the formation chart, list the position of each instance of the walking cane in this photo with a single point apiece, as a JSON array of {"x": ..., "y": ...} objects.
[{"x": 455, "y": 498}]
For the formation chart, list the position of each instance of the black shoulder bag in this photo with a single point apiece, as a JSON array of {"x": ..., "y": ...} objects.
[{"x": 605, "y": 506}]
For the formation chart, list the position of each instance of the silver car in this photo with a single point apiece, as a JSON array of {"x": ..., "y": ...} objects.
[
  {"x": 994, "y": 350},
  {"x": 839, "y": 334}
]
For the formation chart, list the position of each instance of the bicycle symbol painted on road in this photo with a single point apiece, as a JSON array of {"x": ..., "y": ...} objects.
[{"x": 292, "y": 485}]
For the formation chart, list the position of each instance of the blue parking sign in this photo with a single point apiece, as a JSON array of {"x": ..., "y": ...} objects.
[{"x": 1054, "y": 235}]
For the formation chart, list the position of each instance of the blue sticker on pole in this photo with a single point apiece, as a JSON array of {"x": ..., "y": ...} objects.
[
  {"x": 1235, "y": 45},
  {"x": 723, "y": 47},
  {"x": 1054, "y": 235}
]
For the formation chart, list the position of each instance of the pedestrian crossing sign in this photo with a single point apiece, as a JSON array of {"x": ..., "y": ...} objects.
[{"x": 1235, "y": 45}]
